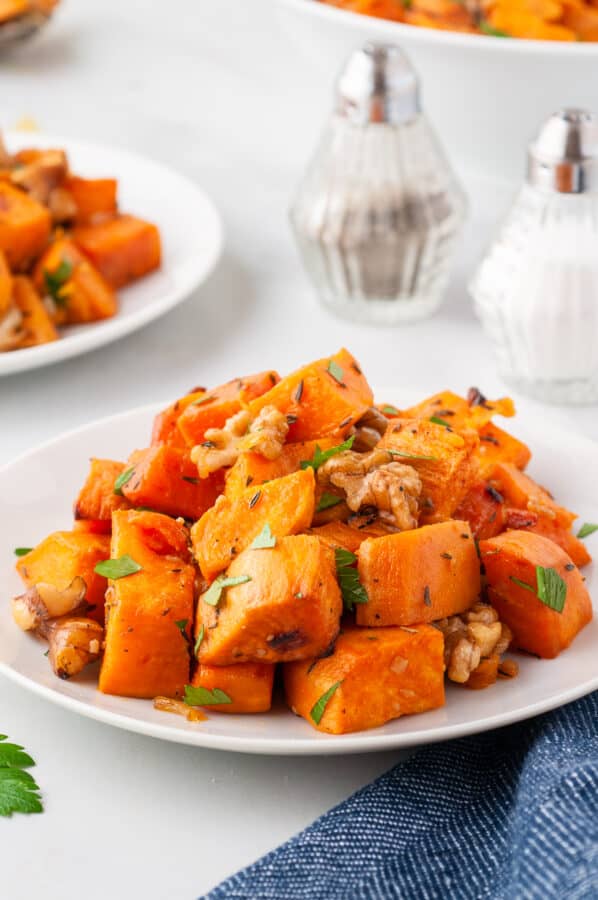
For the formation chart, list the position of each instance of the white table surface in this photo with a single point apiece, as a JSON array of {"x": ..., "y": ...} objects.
[{"x": 215, "y": 89}]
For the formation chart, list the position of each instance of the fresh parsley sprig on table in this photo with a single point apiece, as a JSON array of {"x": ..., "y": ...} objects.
[{"x": 18, "y": 789}]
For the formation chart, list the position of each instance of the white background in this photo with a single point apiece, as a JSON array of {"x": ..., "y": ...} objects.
[{"x": 215, "y": 89}]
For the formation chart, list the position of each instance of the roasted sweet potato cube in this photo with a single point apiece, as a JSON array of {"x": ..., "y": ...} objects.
[
  {"x": 497, "y": 446},
  {"x": 122, "y": 249},
  {"x": 93, "y": 526},
  {"x": 475, "y": 412},
  {"x": 24, "y": 227},
  {"x": 254, "y": 469},
  {"x": 81, "y": 295},
  {"x": 418, "y": 576},
  {"x": 285, "y": 504},
  {"x": 147, "y": 653},
  {"x": 63, "y": 556},
  {"x": 374, "y": 675},
  {"x": 522, "y": 492},
  {"x": 484, "y": 508},
  {"x": 288, "y": 605},
  {"x": 5, "y": 285},
  {"x": 97, "y": 499},
  {"x": 541, "y": 523},
  {"x": 191, "y": 416},
  {"x": 529, "y": 577},
  {"x": 10, "y": 9},
  {"x": 443, "y": 459},
  {"x": 323, "y": 399},
  {"x": 344, "y": 536},
  {"x": 165, "y": 480},
  {"x": 247, "y": 685},
  {"x": 94, "y": 198},
  {"x": 37, "y": 325}
]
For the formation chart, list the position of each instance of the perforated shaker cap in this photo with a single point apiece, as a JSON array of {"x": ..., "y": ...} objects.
[
  {"x": 378, "y": 84},
  {"x": 564, "y": 156}
]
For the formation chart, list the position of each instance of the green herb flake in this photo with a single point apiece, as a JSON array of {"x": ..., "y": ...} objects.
[
  {"x": 319, "y": 707},
  {"x": 18, "y": 790},
  {"x": 438, "y": 421},
  {"x": 487, "y": 28},
  {"x": 522, "y": 584},
  {"x": 390, "y": 410},
  {"x": 264, "y": 540},
  {"x": 199, "y": 640},
  {"x": 321, "y": 456},
  {"x": 351, "y": 587},
  {"x": 202, "y": 696},
  {"x": 181, "y": 624},
  {"x": 337, "y": 373},
  {"x": 203, "y": 400},
  {"x": 411, "y": 455},
  {"x": 214, "y": 592},
  {"x": 117, "y": 568},
  {"x": 586, "y": 529},
  {"x": 56, "y": 280},
  {"x": 552, "y": 590},
  {"x": 327, "y": 501},
  {"x": 22, "y": 551},
  {"x": 122, "y": 480}
]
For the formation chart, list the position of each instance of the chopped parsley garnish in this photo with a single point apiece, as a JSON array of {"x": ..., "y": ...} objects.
[
  {"x": 18, "y": 790},
  {"x": 411, "y": 455},
  {"x": 327, "y": 501},
  {"x": 202, "y": 696},
  {"x": 550, "y": 588},
  {"x": 348, "y": 578},
  {"x": 337, "y": 373},
  {"x": 199, "y": 640},
  {"x": 390, "y": 410},
  {"x": 586, "y": 529},
  {"x": 321, "y": 456},
  {"x": 181, "y": 624},
  {"x": 122, "y": 480},
  {"x": 56, "y": 280},
  {"x": 319, "y": 707},
  {"x": 22, "y": 551},
  {"x": 438, "y": 421},
  {"x": 117, "y": 568},
  {"x": 214, "y": 592},
  {"x": 487, "y": 28},
  {"x": 203, "y": 400},
  {"x": 522, "y": 584},
  {"x": 264, "y": 540}
]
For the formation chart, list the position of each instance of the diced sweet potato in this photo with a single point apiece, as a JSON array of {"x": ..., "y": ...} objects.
[
  {"x": 512, "y": 561},
  {"x": 521, "y": 492},
  {"x": 483, "y": 508},
  {"x": 419, "y": 575},
  {"x": 93, "y": 526},
  {"x": 340, "y": 534},
  {"x": 248, "y": 685},
  {"x": 541, "y": 523},
  {"x": 323, "y": 399},
  {"x": 83, "y": 296},
  {"x": 165, "y": 480},
  {"x": 38, "y": 327},
  {"x": 122, "y": 249},
  {"x": 192, "y": 416},
  {"x": 146, "y": 654},
  {"x": 288, "y": 608},
  {"x": 442, "y": 458},
  {"x": 11, "y": 9},
  {"x": 5, "y": 284},
  {"x": 381, "y": 673},
  {"x": 95, "y": 198},
  {"x": 97, "y": 499},
  {"x": 254, "y": 469},
  {"x": 497, "y": 446},
  {"x": 24, "y": 226},
  {"x": 459, "y": 412},
  {"x": 63, "y": 556},
  {"x": 285, "y": 504}
]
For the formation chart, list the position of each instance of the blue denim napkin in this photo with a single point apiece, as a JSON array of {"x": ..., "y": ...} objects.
[{"x": 505, "y": 815}]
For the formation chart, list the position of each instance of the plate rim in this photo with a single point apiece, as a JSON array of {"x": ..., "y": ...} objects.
[
  {"x": 320, "y": 744},
  {"x": 115, "y": 328}
]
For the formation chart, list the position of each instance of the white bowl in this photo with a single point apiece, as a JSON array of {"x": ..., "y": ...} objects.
[{"x": 486, "y": 96}]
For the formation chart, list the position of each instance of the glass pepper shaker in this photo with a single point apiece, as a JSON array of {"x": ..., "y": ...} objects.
[
  {"x": 536, "y": 290},
  {"x": 379, "y": 211}
]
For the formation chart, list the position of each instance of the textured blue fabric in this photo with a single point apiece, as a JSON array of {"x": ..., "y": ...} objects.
[{"x": 505, "y": 815}]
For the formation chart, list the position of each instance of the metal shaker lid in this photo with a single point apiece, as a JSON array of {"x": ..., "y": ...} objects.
[
  {"x": 564, "y": 156},
  {"x": 378, "y": 84}
]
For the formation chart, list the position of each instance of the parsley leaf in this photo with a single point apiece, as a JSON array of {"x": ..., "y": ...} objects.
[
  {"x": 327, "y": 501},
  {"x": 18, "y": 790},
  {"x": 335, "y": 370},
  {"x": 55, "y": 281},
  {"x": 22, "y": 551},
  {"x": 203, "y": 400},
  {"x": 265, "y": 539},
  {"x": 319, "y": 707},
  {"x": 214, "y": 592},
  {"x": 522, "y": 584},
  {"x": 586, "y": 529},
  {"x": 321, "y": 456},
  {"x": 199, "y": 640},
  {"x": 348, "y": 578},
  {"x": 122, "y": 480},
  {"x": 552, "y": 590},
  {"x": 487, "y": 28},
  {"x": 389, "y": 410},
  {"x": 181, "y": 624},
  {"x": 438, "y": 421},
  {"x": 117, "y": 568},
  {"x": 202, "y": 696},
  {"x": 410, "y": 455}
]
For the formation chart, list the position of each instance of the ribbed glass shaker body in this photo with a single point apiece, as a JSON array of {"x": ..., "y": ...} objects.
[
  {"x": 536, "y": 292},
  {"x": 376, "y": 219}
]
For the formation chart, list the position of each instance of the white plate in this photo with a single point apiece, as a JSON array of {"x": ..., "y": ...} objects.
[
  {"x": 37, "y": 491},
  {"x": 191, "y": 233}
]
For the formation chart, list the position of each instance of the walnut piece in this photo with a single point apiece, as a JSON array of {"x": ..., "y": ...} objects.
[
  {"x": 43, "y": 602},
  {"x": 73, "y": 643},
  {"x": 375, "y": 479},
  {"x": 41, "y": 176},
  {"x": 368, "y": 430},
  {"x": 470, "y": 637},
  {"x": 265, "y": 435}
]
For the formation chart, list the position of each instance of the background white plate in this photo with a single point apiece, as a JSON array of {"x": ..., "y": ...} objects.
[
  {"x": 37, "y": 492},
  {"x": 191, "y": 233}
]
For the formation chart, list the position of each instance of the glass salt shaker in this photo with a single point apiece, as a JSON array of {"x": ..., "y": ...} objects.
[
  {"x": 536, "y": 290},
  {"x": 379, "y": 211}
]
